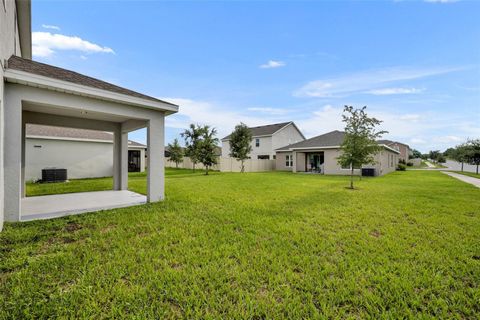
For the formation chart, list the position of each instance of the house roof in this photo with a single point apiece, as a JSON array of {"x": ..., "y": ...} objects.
[
  {"x": 42, "y": 69},
  {"x": 390, "y": 142},
  {"x": 266, "y": 130},
  {"x": 330, "y": 139},
  {"x": 39, "y": 131},
  {"x": 327, "y": 140}
]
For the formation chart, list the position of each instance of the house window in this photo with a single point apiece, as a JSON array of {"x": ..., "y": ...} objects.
[
  {"x": 391, "y": 160},
  {"x": 257, "y": 142},
  {"x": 349, "y": 167},
  {"x": 263, "y": 157},
  {"x": 289, "y": 160}
]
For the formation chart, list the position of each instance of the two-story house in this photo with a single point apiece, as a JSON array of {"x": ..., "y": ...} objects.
[
  {"x": 266, "y": 139},
  {"x": 404, "y": 149}
]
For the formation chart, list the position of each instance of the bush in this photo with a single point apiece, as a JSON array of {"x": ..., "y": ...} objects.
[
  {"x": 409, "y": 164},
  {"x": 401, "y": 167},
  {"x": 402, "y": 161}
]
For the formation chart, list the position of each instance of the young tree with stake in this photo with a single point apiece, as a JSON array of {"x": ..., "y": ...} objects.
[
  {"x": 207, "y": 146},
  {"x": 192, "y": 137},
  {"x": 240, "y": 146},
  {"x": 360, "y": 144},
  {"x": 176, "y": 152}
]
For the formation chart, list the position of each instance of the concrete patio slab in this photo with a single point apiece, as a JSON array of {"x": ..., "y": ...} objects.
[{"x": 59, "y": 205}]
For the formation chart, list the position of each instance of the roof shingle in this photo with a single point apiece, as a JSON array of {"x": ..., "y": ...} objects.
[
  {"x": 46, "y": 70},
  {"x": 264, "y": 130},
  {"x": 330, "y": 139}
]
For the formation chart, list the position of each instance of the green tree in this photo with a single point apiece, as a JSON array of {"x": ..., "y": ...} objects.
[
  {"x": 434, "y": 155},
  {"x": 360, "y": 143},
  {"x": 416, "y": 154},
  {"x": 473, "y": 152},
  {"x": 240, "y": 144},
  {"x": 207, "y": 147},
  {"x": 176, "y": 152},
  {"x": 192, "y": 137},
  {"x": 460, "y": 154}
]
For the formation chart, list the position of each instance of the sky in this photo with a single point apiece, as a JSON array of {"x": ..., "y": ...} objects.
[{"x": 414, "y": 64}]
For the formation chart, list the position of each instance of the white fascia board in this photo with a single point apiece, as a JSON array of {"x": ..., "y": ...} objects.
[
  {"x": 29, "y": 79},
  {"x": 67, "y": 139},
  {"x": 80, "y": 140},
  {"x": 389, "y": 148}
]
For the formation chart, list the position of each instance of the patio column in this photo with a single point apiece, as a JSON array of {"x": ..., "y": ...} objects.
[
  {"x": 155, "y": 159},
  {"x": 120, "y": 160},
  {"x": 12, "y": 157},
  {"x": 23, "y": 186},
  {"x": 294, "y": 158}
]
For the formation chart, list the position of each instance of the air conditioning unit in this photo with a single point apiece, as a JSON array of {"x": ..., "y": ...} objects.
[{"x": 54, "y": 175}]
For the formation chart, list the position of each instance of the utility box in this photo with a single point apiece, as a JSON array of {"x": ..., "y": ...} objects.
[
  {"x": 368, "y": 172},
  {"x": 54, "y": 175}
]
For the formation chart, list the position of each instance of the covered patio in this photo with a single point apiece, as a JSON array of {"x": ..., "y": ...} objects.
[{"x": 37, "y": 93}]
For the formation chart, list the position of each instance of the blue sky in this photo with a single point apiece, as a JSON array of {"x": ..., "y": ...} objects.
[{"x": 416, "y": 65}]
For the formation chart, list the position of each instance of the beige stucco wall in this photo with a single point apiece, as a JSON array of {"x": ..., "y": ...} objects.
[
  {"x": 82, "y": 159},
  {"x": 281, "y": 161},
  {"x": 286, "y": 136},
  {"x": 382, "y": 164},
  {"x": 269, "y": 144},
  {"x": 9, "y": 45}
]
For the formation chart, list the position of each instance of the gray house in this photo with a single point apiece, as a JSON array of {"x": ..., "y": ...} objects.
[
  {"x": 38, "y": 93},
  {"x": 318, "y": 154},
  {"x": 83, "y": 153},
  {"x": 266, "y": 139}
]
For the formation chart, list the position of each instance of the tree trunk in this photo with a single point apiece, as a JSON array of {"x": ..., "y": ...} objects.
[
  {"x": 477, "y": 168},
  {"x": 176, "y": 165},
  {"x": 462, "y": 166},
  {"x": 351, "y": 179},
  {"x": 242, "y": 169},
  {"x": 193, "y": 164},
  {"x": 206, "y": 170}
]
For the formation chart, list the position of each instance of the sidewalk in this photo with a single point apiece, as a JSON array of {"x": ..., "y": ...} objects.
[{"x": 464, "y": 178}]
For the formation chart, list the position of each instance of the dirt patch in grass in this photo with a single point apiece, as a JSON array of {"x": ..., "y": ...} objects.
[
  {"x": 73, "y": 226},
  {"x": 376, "y": 234}
]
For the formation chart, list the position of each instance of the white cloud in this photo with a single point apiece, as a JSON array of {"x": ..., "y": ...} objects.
[
  {"x": 366, "y": 81},
  {"x": 273, "y": 111},
  {"x": 410, "y": 117},
  {"x": 417, "y": 141},
  {"x": 389, "y": 91},
  {"x": 215, "y": 115},
  {"x": 44, "y": 44},
  {"x": 273, "y": 64},
  {"x": 441, "y": 1},
  {"x": 49, "y": 26}
]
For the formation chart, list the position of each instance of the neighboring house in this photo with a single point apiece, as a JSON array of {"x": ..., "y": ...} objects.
[
  {"x": 319, "y": 154},
  {"x": 266, "y": 139},
  {"x": 84, "y": 153},
  {"x": 404, "y": 149},
  {"x": 41, "y": 94}
]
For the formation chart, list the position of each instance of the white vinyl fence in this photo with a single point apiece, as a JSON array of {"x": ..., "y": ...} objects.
[{"x": 227, "y": 165}]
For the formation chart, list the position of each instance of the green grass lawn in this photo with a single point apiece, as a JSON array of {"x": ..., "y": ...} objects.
[
  {"x": 471, "y": 174},
  {"x": 254, "y": 245}
]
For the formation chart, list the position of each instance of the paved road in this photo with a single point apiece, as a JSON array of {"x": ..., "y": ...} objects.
[
  {"x": 464, "y": 178},
  {"x": 457, "y": 166}
]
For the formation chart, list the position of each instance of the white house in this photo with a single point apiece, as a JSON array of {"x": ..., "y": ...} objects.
[
  {"x": 266, "y": 139},
  {"x": 83, "y": 153},
  {"x": 38, "y": 93}
]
